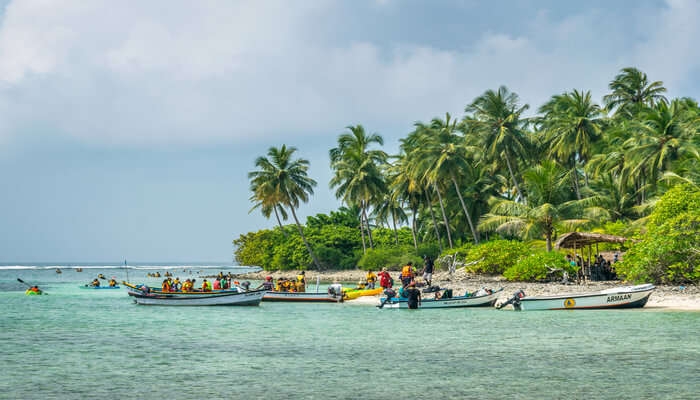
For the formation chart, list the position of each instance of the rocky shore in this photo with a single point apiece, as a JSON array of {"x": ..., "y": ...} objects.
[{"x": 664, "y": 297}]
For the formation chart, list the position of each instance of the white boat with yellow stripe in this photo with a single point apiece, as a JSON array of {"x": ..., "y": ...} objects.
[{"x": 620, "y": 297}]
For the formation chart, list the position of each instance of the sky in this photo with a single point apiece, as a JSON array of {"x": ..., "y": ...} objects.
[{"x": 127, "y": 129}]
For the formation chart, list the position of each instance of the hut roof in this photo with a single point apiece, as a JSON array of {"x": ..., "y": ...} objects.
[{"x": 579, "y": 239}]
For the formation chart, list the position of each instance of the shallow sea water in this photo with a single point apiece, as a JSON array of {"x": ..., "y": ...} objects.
[{"x": 76, "y": 343}]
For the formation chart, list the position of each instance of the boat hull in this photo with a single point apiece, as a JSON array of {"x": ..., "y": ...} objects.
[
  {"x": 217, "y": 298},
  {"x": 486, "y": 300},
  {"x": 302, "y": 297},
  {"x": 624, "y": 297}
]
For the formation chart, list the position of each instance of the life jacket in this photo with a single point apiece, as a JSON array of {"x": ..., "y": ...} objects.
[
  {"x": 371, "y": 277},
  {"x": 406, "y": 271},
  {"x": 166, "y": 287}
]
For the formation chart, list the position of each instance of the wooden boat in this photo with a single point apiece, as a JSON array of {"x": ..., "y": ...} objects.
[
  {"x": 229, "y": 297},
  {"x": 487, "y": 298},
  {"x": 302, "y": 297},
  {"x": 620, "y": 297},
  {"x": 352, "y": 294}
]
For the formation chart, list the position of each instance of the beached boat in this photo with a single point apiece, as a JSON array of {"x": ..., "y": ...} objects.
[
  {"x": 481, "y": 298},
  {"x": 231, "y": 297},
  {"x": 352, "y": 294},
  {"x": 302, "y": 297},
  {"x": 620, "y": 297}
]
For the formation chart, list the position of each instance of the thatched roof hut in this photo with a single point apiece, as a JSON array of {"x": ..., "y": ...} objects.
[{"x": 577, "y": 240}]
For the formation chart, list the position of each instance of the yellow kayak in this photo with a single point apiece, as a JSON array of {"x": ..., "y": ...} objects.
[{"x": 354, "y": 293}]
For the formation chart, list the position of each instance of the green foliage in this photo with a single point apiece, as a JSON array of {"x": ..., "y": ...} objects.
[
  {"x": 384, "y": 237},
  {"x": 536, "y": 267},
  {"x": 257, "y": 248},
  {"x": 393, "y": 258},
  {"x": 670, "y": 251},
  {"x": 495, "y": 256}
]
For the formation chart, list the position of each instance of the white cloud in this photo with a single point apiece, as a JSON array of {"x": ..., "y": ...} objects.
[{"x": 170, "y": 73}]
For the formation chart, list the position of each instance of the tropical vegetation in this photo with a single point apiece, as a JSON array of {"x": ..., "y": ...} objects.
[{"x": 496, "y": 187}]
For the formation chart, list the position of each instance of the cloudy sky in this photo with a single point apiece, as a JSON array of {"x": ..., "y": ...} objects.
[{"x": 127, "y": 128}]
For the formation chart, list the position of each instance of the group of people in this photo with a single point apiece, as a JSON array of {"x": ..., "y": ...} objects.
[
  {"x": 297, "y": 284},
  {"x": 408, "y": 279},
  {"x": 96, "y": 282},
  {"x": 600, "y": 270},
  {"x": 218, "y": 283}
]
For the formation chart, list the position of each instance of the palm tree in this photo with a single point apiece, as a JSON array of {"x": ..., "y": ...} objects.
[
  {"x": 548, "y": 206},
  {"x": 405, "y": 188},
  {"x": 358, "y": 175},
  {"x": 446, "y": 156},
  {"x": 263, "y": 197},
  {"x": 666, "y": 134},
  {"x": 631, "y": 92},
  {"x": 285, "y": 182},
  {"x": 572, "y": 123},
  {"x": 497, "y": 120}
]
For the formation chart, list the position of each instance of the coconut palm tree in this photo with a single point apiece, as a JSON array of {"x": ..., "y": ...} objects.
[
  {"x": 358, "y": 171},
  {"x": 572, "y": 123},
  {"x": 631, "y": 92},
  {"x": 497, "y": 120},
  {"x": 549, "y": 205},
  {"x": 264, "y": 198},
  {"x": 404, "y": 187},
  {"x": 283, "y": 181},
  {"x": 445, "y": 156}
]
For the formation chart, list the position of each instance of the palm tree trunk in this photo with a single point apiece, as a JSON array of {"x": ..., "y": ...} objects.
[
  {"x": 466, "y": 212},
  {"x": 512, "y": 176},
  {"x": 413, "y": 228},
  {"x": 396, "y": 232},
  {"x": 444, "y": 215},
  {"x": 279, "y": 222},
  {"x": 303, "y": 238},
  {"x": 369, "y": 230},
  {"x": 432, "y": 216},
  {"x": 575, "y": 181},
  {"x": 362, "y": 231}
]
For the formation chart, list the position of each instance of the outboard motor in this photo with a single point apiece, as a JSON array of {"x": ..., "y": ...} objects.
[
  {"x": 335, "y": 290},
  {"x": 515, "y": 300}
]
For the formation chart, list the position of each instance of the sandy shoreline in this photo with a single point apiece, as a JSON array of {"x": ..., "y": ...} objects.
[{"x": 664, "y": 297}]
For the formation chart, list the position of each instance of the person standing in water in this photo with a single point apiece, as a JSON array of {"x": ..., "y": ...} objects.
[{"x": 413, "y": 296}]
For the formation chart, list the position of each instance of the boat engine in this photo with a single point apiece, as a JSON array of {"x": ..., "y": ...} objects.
[
  {"x": 335, "y": 289},
  {"x": 515, "y": 300}
]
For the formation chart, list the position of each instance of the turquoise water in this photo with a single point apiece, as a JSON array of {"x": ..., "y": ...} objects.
[{"x": 77, "y": 343}]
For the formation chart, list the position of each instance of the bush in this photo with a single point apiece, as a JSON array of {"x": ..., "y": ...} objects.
[
  {"x": 668, "y": 252},
  {"x": 494, "y": 257},
  {"x": 536, "y": 267},
  {"x": 393, "y": 258}
]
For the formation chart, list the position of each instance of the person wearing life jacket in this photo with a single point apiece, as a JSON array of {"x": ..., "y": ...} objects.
[
  {"x": 95, "y": 282},
  {"x": 177, "y": 285},
  {"x": 300, "y": 283},
  {"x": 384, "y": 278},
  {"x": 407, "y": 274},
  {"x": 187, "y": 286},
  {"x": 165, "y": 286},
  {"x": 112, "y": 283},
  {"x": 371, "y": 278},
  {"x": 33, "y": 290},
  {"x": 206, "y": 286}
]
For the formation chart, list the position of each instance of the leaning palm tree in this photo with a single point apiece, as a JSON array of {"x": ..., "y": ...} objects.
[
  {"x": 631, "y": 92},
  {"x": 285, "y": 182},
  {"x": 358, "y": 172},
  {"x": 404, "y": 187},
  {"x": 497, "y": 120}
]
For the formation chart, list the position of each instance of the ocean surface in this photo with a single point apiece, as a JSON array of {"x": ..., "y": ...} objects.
[{"x": 97, "y": 344}]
